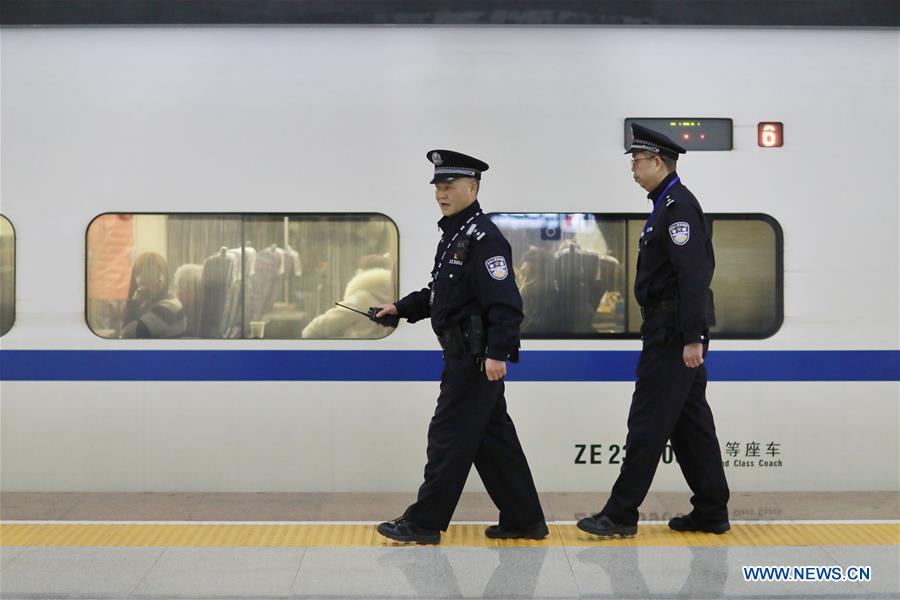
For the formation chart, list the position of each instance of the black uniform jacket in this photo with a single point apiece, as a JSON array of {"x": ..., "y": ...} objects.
[
  {"x": 676, "y": 260},
  {"x": 475, "y": 277}
]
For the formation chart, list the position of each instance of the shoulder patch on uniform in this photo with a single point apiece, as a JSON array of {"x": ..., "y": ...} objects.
[
  {"x": 680, "y": 232},
  {"x": 496, "y": 266}
]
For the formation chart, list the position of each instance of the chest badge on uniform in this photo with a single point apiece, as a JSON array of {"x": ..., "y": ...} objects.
[
  {"x": 496, "y": 266},
  {"x": 680, "y": 232}
]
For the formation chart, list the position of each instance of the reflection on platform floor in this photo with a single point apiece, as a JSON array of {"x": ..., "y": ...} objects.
[{"x": 434, "y": 572}]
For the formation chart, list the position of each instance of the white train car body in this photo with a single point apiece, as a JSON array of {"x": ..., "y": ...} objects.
[{"x": 337, "y": 119}]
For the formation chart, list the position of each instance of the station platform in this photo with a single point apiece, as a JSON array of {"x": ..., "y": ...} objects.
[{"x": 213, "y": 545}]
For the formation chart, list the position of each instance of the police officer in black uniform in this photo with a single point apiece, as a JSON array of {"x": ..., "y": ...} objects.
[
  {"x": 674, "y": 271},
  {"x": 475, "y": 310}
]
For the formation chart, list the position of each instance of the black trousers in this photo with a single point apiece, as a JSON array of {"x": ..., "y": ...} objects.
[
  {"x": 471, "y": 426},
  {"x": 669, "y": 403}
]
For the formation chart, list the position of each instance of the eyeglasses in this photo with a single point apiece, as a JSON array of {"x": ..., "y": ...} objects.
[{"x": 634, "y": 160}]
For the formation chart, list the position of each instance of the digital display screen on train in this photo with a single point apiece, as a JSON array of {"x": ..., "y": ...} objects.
[{"x": 692, "y": 133}]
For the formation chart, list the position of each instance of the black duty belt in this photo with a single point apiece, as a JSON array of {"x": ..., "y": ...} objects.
[
  {"x": 452, "y": 342},
  {"x": 663, "y": 306},
  {"x": 461, "y": 339}
]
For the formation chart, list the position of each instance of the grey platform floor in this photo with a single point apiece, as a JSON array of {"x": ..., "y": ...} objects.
[{"x": 427, "y": 572}]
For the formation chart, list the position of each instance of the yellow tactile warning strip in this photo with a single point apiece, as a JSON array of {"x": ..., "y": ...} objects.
[{"x": 365, "y": 536}]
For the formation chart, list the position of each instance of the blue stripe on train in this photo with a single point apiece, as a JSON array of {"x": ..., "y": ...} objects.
[{"x": 424, "y": 365}]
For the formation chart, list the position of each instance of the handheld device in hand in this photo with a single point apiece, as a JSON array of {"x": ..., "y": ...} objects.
[{"x": 387, "y": 321}]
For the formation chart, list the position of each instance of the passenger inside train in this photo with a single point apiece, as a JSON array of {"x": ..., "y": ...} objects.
[
  {"x": 151, "y": 311},
  {"x": 372, "y": 285},
  {"x": 534, "y": 276}
]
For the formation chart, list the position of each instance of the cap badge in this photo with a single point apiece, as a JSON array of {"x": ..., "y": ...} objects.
[{"x": 436, "y": 159}]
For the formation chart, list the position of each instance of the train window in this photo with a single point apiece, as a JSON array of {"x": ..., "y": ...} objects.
[
  {"x": 576, "y": 272},
  {"x": 238, "y": 276},
  {"x": 315, "y": 261},
  {"x": 570, "y": 271},
  {"x": 164, "y": 276},
  {"x": 747, "y": 285},
  {"x": 7, "y": 275}
]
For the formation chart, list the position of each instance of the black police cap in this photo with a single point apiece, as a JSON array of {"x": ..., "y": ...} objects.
[
  {"x": 449, "y": 165},
  {"x": 652, "y": 141}
]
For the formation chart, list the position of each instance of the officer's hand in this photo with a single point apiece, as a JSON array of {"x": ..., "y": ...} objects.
[
  {"x": 693, "y": 355},
  {"x": 386, "y": 309},
  {"x": 494, "y": 369}
]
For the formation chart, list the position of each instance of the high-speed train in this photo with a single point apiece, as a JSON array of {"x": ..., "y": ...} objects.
[{"x": 181, "y": 208}]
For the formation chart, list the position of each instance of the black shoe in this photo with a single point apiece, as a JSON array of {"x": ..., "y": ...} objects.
[
  {"x": 604, "y": 527},
  {"x": 404, "y": 530},
  {"x": 688, "y": 523},
  {"x": 534, "y": 532}
]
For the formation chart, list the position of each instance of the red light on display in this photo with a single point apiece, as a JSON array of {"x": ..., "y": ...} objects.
[{"x": 770, "y": 135}]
